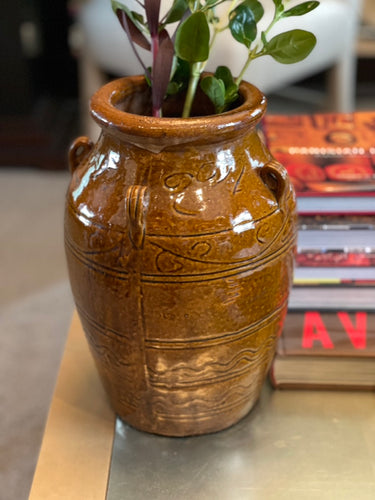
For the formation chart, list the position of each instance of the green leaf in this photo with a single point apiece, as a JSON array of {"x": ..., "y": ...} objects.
[
  {"x": 231, "y": 94},
  {"x": 224, "y": 73},
  {"x": 301, "y": 9},
  {"x": 176, "y": 12},
  {"x": 193, "y": 39},
  {"x": 138, "y": 17},
  {"x": 291, "y": 47},
  {"x": 214, "y": 88},
  {"x": 173, "y": 88},
  {"x": 257, "y": 9},
  {"x": 180, "y": 78},
  {"x": 242, "y": 24},
  {"x": 148, "y": 76},
  {"x": 231, "y": 89},
  {"x": 118, "y": 5}
]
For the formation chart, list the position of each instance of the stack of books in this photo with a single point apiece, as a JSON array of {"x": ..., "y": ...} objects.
[
  {"x": 329, "y": 333},
  {"x": 335, "y": 249},
  {"x": 328, "y": 340}
]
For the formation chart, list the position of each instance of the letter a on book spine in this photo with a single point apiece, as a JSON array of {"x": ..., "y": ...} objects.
[{"x": 314, "y": 330}]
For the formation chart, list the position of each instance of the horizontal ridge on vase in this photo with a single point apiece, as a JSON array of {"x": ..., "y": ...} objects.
[{"x": 179, "y": 237}]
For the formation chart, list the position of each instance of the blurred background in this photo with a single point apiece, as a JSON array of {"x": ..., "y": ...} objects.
[{"x": 48, "y": 70}]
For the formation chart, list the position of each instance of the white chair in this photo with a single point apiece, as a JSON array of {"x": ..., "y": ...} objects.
[{"x": 104, "y": 48}]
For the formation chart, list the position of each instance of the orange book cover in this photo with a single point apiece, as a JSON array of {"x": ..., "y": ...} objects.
[{"x": 325, "y": 154}]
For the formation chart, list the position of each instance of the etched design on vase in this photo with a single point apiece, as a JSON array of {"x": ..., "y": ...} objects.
[
  {"x": 176, "y": 255},
  {"x": 185, "y": 186}
]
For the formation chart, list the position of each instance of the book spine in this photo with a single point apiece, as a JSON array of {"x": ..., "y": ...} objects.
[
  {"x": 341, "y": 222},
  {"x": 335, "y": 258},
  {"x": 328, "y": 333},
  {"x": 315, "y": 386}
]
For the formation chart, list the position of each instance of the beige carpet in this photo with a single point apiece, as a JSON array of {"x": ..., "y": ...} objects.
[{"x": 35, "y": 311}]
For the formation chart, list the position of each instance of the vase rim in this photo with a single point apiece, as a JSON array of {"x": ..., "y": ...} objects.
[{"x": 106, "y": 112}]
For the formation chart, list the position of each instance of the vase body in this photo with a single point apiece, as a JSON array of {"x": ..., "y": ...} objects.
[{"x": 179, "y": 241}]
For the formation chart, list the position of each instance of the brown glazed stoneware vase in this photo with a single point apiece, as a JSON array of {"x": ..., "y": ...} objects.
[{"x": 179, "y": 238}]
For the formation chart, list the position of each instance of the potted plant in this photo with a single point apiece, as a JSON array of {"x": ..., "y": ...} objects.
[{"x": 179, "y": 224}]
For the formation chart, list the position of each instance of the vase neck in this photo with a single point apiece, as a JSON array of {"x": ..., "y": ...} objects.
[{"x": 118, "y": 106}]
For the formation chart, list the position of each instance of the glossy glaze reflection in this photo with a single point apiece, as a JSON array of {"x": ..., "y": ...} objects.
[{"x": 179, "y": 238}]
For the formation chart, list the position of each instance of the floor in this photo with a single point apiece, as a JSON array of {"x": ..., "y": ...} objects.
[
  {"x": 35, "y": 312},
  {"x": 36, "y": 308}
]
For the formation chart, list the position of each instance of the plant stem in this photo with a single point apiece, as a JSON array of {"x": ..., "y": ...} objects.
[
  {"x": 215, "y": 5},
  {"x": 214, "y": 35},
  {"x": 232, "y": 5},
  {"x": 156, "y": 110},
  {"x": 252, "y": 55},
  {"x": 271, "y": 25},
  {"x": 196, "y": 69},
  {"x": 276, "y": 17}
]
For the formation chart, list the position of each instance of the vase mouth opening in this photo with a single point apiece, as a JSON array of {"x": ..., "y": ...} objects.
[{"x": 123, "y": 106}]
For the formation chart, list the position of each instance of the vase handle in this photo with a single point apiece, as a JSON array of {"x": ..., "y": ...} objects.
[
  {"x": 276, "y": 178},
  {"x": 136, "y": 205},
  {"x": 79, "y": 149}
]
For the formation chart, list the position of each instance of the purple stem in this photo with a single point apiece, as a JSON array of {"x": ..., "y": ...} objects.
[{"x": 156, "y": 110}]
